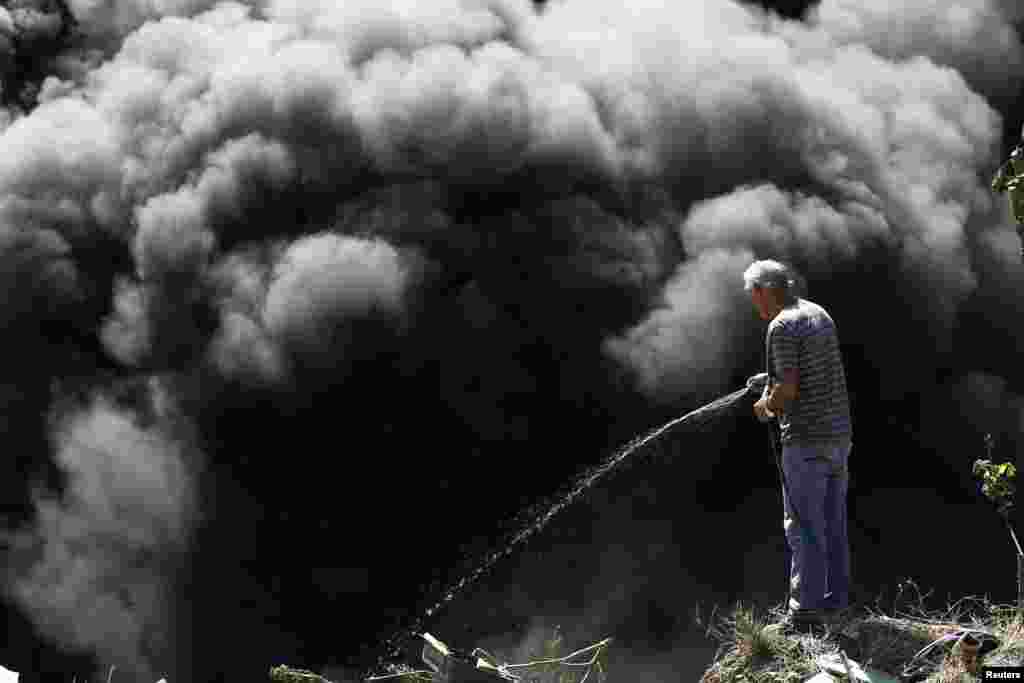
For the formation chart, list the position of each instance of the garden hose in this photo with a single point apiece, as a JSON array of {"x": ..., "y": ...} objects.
[{"x": 757, "y": 384}]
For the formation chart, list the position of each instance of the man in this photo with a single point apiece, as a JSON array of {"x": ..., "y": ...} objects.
[{"x": 806, "y": 391}]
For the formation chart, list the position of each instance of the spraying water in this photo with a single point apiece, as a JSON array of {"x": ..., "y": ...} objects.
[{"x": 616, "y": 462}]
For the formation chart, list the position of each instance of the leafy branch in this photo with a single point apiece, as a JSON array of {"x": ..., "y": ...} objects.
[{"x": 997, "y": 483}]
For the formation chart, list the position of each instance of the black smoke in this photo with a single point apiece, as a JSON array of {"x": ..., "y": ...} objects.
[{"x": 307, "y": 300}]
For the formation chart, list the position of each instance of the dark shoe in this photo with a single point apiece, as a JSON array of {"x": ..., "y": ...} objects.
[
  {"x": 837, "y": 614},
  {"x": 838, "y": 617}
]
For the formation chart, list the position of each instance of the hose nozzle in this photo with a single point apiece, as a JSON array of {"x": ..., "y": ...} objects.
[{"x": 758, "y": 382}]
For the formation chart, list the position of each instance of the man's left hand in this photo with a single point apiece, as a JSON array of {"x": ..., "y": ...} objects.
[{"x": 761, "y": 410}]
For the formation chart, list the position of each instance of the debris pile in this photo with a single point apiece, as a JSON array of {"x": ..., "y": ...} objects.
[
  {"x": 449, "y": 665},
  {"x": 870, "y": 647}
]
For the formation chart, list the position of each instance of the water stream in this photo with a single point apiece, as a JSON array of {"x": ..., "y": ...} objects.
[{"x": 696, "y": 419}]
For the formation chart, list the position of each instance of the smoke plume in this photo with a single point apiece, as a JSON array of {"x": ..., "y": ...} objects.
[
  {"x": 466, "y": 219},
  {"x": 892, "y": 159},
  {"x": 975, "y": 38},
  {"x": 95, "y": 571}
]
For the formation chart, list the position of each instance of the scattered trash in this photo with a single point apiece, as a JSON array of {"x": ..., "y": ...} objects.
[
  {"x": 286, "y": 674},
  {"x": 971, "y": 644},
  {"x": 453, "y": 666},
  {"x": 839, "y": 667},
  {"x": 969, "y": 652},
  {"x": 449, "y": 665}
]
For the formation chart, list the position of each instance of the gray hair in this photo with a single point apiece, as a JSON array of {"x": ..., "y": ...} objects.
[{"x": 771, "y": 274}]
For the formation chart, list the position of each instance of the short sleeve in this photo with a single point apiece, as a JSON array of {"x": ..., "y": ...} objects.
[{"x": 785, "y": 349}]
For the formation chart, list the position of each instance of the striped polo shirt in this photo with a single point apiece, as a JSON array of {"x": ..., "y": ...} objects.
[{"x": 803, "y": 336}]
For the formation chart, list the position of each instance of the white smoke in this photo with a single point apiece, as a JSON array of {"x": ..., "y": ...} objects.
[
  {"x": 243, "y": 348},
  {"x": 108, "y": 21},
  {"x": 94, "y": 571},
  {"x": 688, "y": 344},
  {"x": 324, "y": 281},
  {"x": 975, "y": 37}
]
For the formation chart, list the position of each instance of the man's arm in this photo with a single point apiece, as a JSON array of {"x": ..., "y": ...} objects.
[
  {"x": 785, "y": 351},
  {"x": 784, "y": 393},
  {"x": 776, "y": 399}
]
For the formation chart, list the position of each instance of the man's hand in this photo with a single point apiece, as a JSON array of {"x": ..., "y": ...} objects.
[
  {"x": 761, "y": 409},
  {"x": 777, "y": 399}
]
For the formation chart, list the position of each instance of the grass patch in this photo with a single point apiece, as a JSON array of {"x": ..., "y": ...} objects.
[
  {"x": 750, "y": 654},
  {"x": 895, "y": 645}
]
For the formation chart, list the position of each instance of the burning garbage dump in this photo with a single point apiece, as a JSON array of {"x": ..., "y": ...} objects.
[{"x": 235, "y": 230}]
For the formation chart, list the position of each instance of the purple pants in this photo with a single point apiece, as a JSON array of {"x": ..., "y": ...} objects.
[{"x": 817, "y": 476}]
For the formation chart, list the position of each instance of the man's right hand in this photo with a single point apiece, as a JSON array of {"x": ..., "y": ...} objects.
[
  {"x": 759, "y": 382},
  {"x": 761, "y": 409}
]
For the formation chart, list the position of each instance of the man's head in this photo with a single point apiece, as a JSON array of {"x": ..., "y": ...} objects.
[{"x": 771, "y": 287}]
